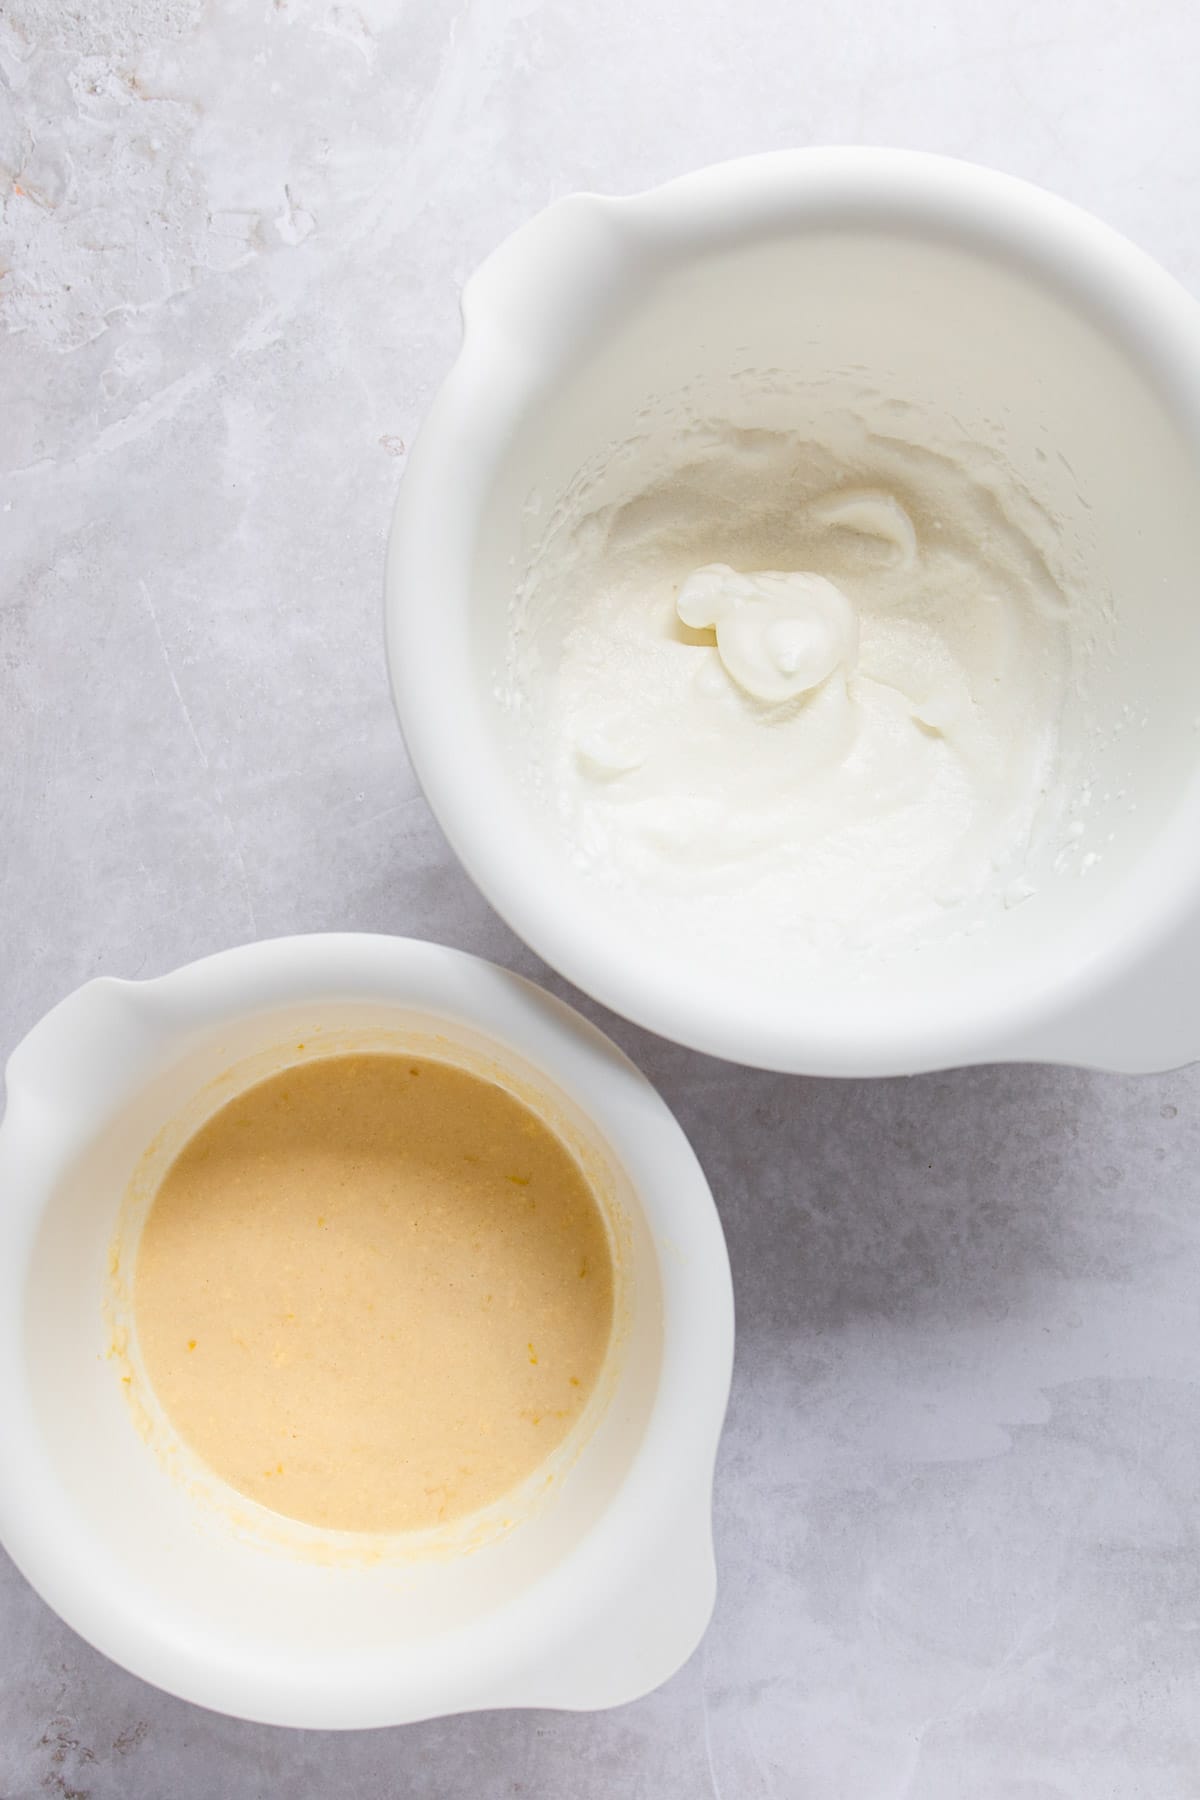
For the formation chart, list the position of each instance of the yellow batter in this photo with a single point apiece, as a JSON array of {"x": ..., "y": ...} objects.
[{"x": 374, "y": 1292}]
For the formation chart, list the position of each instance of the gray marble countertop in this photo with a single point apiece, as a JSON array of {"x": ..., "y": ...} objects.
[{"x": 957, "y": 1498}]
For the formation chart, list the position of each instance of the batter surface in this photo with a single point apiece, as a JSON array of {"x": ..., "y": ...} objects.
[{"x": 374, "y": 1292}]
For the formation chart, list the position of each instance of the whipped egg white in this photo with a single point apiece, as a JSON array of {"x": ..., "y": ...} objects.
[{"x": 792, "y": 700}]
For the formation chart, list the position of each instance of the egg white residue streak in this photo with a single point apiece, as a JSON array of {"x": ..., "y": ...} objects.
[{"x": 783, "y": 691}]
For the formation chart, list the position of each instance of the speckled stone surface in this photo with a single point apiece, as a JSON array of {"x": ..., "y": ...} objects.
[{"x": 958, "y": 1495}]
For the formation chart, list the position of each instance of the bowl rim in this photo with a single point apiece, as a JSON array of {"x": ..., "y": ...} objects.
[
  {"x": 520, "y": 309},
  {"x": 563, "y": 1641}
]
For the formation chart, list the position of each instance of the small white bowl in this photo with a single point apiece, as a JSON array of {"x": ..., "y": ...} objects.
[
  {"x": 584, "y": 1591},
  {"x": 765, "y": 293}
]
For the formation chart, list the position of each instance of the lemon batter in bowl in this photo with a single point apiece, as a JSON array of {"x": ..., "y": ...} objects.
[{"x": 374, "y": 1292}]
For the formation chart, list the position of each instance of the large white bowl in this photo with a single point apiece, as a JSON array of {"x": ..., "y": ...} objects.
[
  {"x": 972, "y": 298},
  {"x": 604, "y": 1582}
]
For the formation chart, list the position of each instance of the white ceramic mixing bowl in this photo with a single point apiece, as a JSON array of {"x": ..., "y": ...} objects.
[
  {"x": 986, "y": 309},
  {"x": 602, "y": 1582}
]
